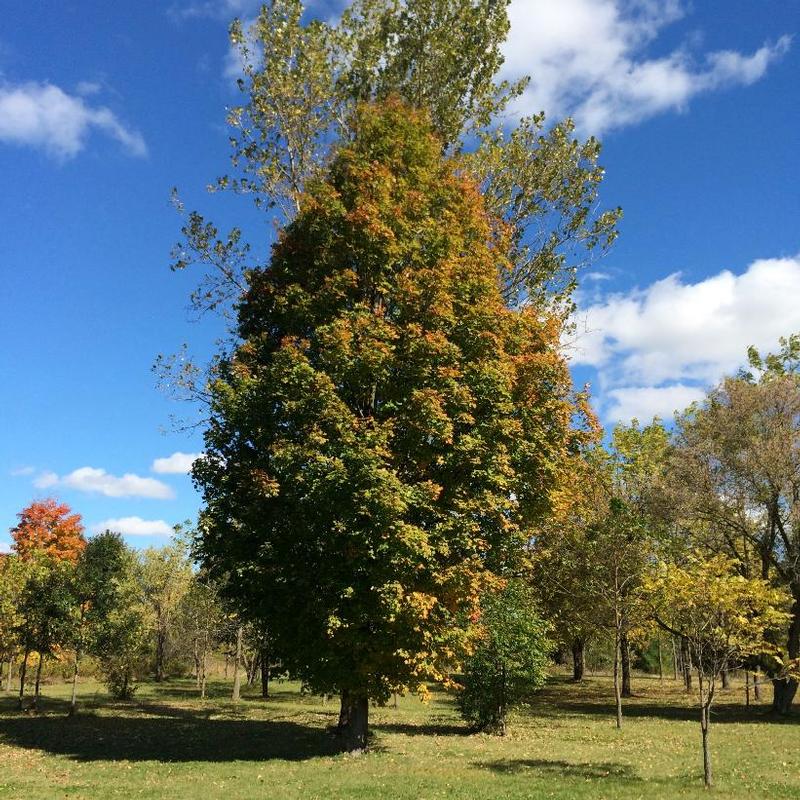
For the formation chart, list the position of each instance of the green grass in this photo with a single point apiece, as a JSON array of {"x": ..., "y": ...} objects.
[{"x": 169, "y": 743}]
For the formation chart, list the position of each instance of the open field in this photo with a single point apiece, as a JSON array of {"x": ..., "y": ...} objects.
[{"x": 168, "y": 743}]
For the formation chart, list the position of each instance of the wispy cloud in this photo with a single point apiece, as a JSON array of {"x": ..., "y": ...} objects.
[
  {"x": 176, "y": 464},
  {"x": 45, "y": 117},
  {"x": 658, "y": 346},
  {"x": 588, "y": 59},
  {"x": 98, "y": 481},
  {"x": 214, "y": 9},
  {"x": 22, "y": 472},
  {"x": 134, "y": 526}
]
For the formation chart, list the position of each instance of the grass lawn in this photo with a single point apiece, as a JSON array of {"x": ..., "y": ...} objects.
[{"x": 170, "y": 744}]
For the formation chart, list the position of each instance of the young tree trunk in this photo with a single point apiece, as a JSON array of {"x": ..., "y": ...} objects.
[
  {"x": 354, "y": 723},
  {"x": 501, "y": 716},
  {"x": 265, "y": 671},
  {"x": 578, "y": 659},
  {"x": 35, "y": 704},
  {"x": 161, "y": 645},
  {"x": 726, "y": 680},
  {"x": 203, "y": 672},
  {"x": 617, "y": 691},
  {"x": 757, "y": 685},
  {"x": 704, "y": 722},
  {"x": 236, "y": 677},
  {"x": 747, "y": 688},
  {"x": 674, "y": 659},
  {"x": 625, "y": 655},
  {"x": 8, "y": 677},
  {"x": 73, "y": 703},
  {"x": 660, "y": 659},
  {"x": 687, "y": 665},
  {"x": 23, "y": 671},
  {"x": 196, "y": 654}
]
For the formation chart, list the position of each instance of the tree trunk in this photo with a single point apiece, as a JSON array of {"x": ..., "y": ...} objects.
[
  {"x": 747, "y": 688},
  {"x": 203, "y": 673},
  {"x": 161, "y": 644},
  {"x": 660, "y": 660},
  {"x": 784, "y": 690},
  {"x": 704, "y": 722},
  {"x": 706, "y": 698},
  {"x": 265, "y": 671},
  {"x": 23, "y": 671},
  {"x": 73, "y": 703},
  {"x": 196, "y": 654},
  {"x": 501, "y": 716},
  {"x": 236, "y": 677},
  {"x": 625, "y": 654},
  {"x": 8, "y": 677},
  {"x": 354, "y": 723},
  {"x": 674, "y": 659},
  {"x": 757, "y": 685},
  {"x": 726, "y": 680},
  {"x": 578, "y": 659},
  {"x": 617, "y": 692},
  {"x": 35, "y": 704},
  {"x": 686, "y": 661},
  {"x": 344, "y": 712}
]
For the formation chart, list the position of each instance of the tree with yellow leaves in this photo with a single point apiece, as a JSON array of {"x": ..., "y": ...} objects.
[{"x": 723, "y": 616}]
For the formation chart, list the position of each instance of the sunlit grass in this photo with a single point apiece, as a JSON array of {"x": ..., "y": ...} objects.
[{"x": 169, "y": 743}]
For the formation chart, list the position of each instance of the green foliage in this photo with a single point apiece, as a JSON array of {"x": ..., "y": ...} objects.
[
  {"x": 164, "y": 576},
  {"x": 509, "y": 658},
  {"x": 46, "y": 604},
  {"x": 302, "y": 80},
  {"x": 388, "y": 427},
  {"x": 120, "y": 633}
]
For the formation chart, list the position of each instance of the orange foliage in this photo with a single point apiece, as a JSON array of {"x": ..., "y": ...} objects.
[{"x": 50, "y": 527}]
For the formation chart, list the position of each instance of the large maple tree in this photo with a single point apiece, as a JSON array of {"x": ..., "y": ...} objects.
[{"x": 387, "y": 427}]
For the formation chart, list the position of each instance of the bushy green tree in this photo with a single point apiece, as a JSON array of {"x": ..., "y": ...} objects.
[
  {"x": 509, "y": 658},
  {"x": 387, "y": 428},
  {"x": 45, "y": 612},
  {"x": 96, "y": 577},
  {"x": 119, "y": 632},
  {"x": 165, "y": 575}
]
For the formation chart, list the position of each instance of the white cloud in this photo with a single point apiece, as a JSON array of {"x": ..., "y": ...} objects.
[
  {"x": 45, "y": 480},
  {"x": 587, "y": 59},
  {"x": 656, "y": 346},
  {"x": 645, "y": 402},
  {"x": 134, "y": 526},
  {"x": 215, "y": 9},
  {"x": 674, "y": 330},
  {"x": 92, "y": 479},
  {"x": 22, "y": 471},
  {"x": 176, "y": 464},
  {"x": 42, "y": 115},
  {"x": 5, "y": 547}
]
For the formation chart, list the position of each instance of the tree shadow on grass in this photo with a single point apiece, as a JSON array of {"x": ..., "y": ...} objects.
[
  {"x": 720, "y": 712},
  {"x": 563, "y": 768},
  {"x": 160, "y": 733},
  {"x": 430, "y": 729}
]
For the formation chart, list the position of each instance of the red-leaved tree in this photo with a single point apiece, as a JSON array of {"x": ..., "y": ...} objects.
[{"x": 47, "y": 526}]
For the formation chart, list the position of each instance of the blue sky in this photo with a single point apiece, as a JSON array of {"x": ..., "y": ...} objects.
[{"x": 104, "y": 107}]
